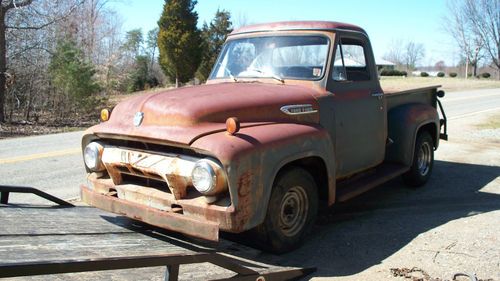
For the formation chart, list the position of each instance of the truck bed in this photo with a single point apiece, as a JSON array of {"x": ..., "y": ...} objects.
[{"x": 396, "y": 97}]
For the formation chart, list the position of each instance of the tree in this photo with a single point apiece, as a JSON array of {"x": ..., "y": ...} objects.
[
  {"x": 152, "y": 45},
  {"x": 72, "y": 77},
  {"x": 475, "y": 26},
  {"x": 485, "y": 20},
  {"x": 458, "y": 24},
  {"x": 395, "y": 52},
  {"x": 414, "y": 52},
  {"x": 133, "y": 41},
  {"x": 213, "y": 37},
  {"x": 37, "y": 18},
  {"x": 179, "y": 40}
]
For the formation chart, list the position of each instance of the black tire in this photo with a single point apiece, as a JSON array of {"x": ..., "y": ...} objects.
[
  {"x": 423, "y": 161},
  {"x": 291, "y": 212}
]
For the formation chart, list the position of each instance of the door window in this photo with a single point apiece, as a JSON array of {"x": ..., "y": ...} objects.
[{"x": 350, "y": 62}]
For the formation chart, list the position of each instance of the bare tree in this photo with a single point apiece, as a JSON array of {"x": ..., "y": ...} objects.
[
  {"x": 414, "y": 52},
  {"x": 485, "y": 19},
  {"x": 26, "y": 15},
  {"x": 475, "y": 25},
  {"x": 395, "y": 53}
]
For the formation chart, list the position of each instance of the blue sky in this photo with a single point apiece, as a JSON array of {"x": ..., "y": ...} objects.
[{"x": 385, "y": 20}]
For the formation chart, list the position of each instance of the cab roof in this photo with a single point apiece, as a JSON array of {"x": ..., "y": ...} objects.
[{"x": 297, "y": 25}]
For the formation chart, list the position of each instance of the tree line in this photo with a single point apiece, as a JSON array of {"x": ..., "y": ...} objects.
[{"x": 62, "y": 59}]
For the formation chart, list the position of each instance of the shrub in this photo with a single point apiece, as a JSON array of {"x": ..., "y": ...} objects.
[
  {"x": 469, "y": 74},
  {"x": 424, "y": 74},
  {"x": 404, "y": 73},
  {"x": 452, "y": 74},
  {"x": 440, "y": 74},
  {"x": 485, "y": 75},
  {"x": 392, "y": 72}
]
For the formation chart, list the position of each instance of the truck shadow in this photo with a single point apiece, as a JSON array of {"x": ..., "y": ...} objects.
[{"x": 360, "y": 233}]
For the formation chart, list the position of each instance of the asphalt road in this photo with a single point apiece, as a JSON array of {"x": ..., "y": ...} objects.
[{"x": 444, "y": 228}]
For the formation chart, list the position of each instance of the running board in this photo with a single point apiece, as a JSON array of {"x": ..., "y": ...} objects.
[{"x": 353, "y": 187}]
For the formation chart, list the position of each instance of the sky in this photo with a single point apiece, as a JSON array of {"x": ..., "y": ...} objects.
[{"x": 386, "y": 21}]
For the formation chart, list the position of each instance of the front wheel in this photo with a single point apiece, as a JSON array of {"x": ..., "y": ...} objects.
[
  {"x": 291, "y": 212},
  {"x": 423, "y": 161}
]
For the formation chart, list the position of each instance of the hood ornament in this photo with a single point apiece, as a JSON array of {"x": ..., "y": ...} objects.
[{"x": 138, "y": 118}]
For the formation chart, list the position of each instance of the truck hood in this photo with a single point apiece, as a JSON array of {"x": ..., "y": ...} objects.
[{"x": 182, "y": 115}]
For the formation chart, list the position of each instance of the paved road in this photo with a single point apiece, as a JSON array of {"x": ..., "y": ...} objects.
[{"x": 54, "y": 164}]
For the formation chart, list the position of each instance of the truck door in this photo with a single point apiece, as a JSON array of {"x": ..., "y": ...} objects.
[{"x": 360, "y": 130}]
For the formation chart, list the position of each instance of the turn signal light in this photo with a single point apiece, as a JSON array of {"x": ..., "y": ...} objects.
[
  {"x": 232, "y": 125},
  {"x": 105, "y": 113}
]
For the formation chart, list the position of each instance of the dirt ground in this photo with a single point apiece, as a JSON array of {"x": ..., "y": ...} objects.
[{"x": 449, "y": 226}]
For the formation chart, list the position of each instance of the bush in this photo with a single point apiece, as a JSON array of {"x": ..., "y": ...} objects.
[
  {"x": 440, "y": 74},
  {"x": 485, "y": 75},
  {"x": 469, "y": 74},
  {"x": 424, "y": 74},
  {"x": 404, "y": 73},
  {"x": 452, "y": 74},
  {"x": 392, "y": 72}
]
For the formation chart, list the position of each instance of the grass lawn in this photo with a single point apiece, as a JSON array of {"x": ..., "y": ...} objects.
[{"x": 449, "y": 84}]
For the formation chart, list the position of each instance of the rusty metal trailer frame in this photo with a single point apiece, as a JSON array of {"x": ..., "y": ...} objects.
[{"x": 171, "y": 261}]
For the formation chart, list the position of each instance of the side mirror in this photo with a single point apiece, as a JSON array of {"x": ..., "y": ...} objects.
[{"x": 440, "y": 94}]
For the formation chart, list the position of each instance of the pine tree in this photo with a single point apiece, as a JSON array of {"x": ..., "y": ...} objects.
[
  {"x": 179, "y": 40},
  {"x": 72, "y": 77},
  {"x": 214, "y": 37}
]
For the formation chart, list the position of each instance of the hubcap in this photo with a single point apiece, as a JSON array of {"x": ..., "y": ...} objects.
[
  {"x": 293, "y": 211},
  {"x": 424, "y": 158}
]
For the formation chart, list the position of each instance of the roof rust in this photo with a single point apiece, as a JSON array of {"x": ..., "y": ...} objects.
[{"x": 297, "y": 25}]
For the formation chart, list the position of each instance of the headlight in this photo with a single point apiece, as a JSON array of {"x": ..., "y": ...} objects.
[
  {"x": 208, "y": 177},
  {"x": 92, "y": 156}
]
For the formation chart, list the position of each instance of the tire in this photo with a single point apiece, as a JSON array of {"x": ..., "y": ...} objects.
[
  {"x": 291, "y": 212},
  {"x": 423, "y": 161}
]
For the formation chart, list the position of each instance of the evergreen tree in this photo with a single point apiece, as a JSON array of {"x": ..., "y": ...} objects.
[
  {"x": 179, "y": 40},
  {"x": 213, "y": 37},
  {"x": 72, "y": 77}
]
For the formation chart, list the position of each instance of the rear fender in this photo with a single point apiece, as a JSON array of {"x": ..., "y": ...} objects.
[{"x": 404, "y": 122}]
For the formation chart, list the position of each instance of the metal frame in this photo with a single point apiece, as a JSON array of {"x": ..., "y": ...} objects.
[
  {"x": 5, "y": 190},
  {"x": 171, "y": 261}
]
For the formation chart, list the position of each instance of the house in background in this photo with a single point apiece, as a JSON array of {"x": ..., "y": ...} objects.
[{"x": 384, "y": 64}]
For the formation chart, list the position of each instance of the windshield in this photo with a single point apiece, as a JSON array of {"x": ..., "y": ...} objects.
[{"x": 278, "y": 57}]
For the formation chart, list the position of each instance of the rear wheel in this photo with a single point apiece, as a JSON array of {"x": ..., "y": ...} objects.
[
  {"x": 291, "y": 212},
  {"x": 423, "y": 161}
]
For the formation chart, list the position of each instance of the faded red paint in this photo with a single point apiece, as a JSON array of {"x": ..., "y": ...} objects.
[{"x": 297, "y": 25}]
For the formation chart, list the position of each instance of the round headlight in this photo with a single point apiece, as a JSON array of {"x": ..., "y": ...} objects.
[
  {"x": 204, "y": 177},
  {"x": 92, "y": 156}
]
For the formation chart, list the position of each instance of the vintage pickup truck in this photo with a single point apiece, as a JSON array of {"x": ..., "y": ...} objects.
[{"x": 292, "y": 118}]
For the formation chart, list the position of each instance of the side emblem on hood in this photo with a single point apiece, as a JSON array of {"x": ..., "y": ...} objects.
[{"x": 138, "y": 118}]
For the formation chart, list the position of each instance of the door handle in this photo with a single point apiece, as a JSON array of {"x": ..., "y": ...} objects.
[{"x": 378, "y": 95}]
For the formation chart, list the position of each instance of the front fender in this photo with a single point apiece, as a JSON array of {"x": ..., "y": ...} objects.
[{"x": 254, "y": 156}]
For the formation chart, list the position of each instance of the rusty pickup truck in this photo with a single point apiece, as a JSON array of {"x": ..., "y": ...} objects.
[{"x": 291, "y": 119}]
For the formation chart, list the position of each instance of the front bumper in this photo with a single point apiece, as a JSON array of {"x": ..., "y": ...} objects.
[{"x": 166, "y": 219}]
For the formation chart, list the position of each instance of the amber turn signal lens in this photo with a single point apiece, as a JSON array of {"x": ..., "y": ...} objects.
[
  {"x": 105, "y": 113},
  {"x": 232, "y": 125}
]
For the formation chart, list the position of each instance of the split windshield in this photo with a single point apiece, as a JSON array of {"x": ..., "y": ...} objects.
[{"x": 278, "y": 57}]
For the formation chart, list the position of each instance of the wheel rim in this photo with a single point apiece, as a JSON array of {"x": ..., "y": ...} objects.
[
  {"x": 424, "y": 158},
  {"x": 293, "y": 211}
]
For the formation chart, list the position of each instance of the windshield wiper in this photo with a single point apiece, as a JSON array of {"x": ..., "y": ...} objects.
[{"x": 272, "y": 74}]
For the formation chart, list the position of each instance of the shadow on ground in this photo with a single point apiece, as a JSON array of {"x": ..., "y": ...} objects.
[{"x": 360, "y": 233}]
